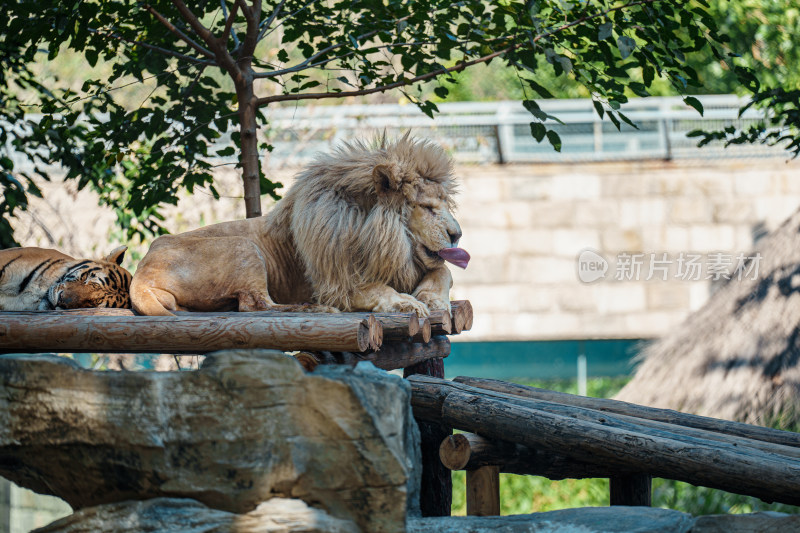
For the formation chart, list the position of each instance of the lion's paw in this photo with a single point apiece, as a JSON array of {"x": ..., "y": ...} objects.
[
  {"x": 434, "y": 301},
  {"x": 403, "y": 303}
]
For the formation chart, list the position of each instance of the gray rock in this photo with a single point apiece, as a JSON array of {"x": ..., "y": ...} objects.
[
  {"x": 278, "y": 515},
  {"x": 247, "y": 427},
  {"x": 583, "y": 520},
  {"x": 765, "y": 522}
]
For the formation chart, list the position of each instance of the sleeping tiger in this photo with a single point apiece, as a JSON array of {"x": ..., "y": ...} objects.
[{"x": 38, "y": 279}]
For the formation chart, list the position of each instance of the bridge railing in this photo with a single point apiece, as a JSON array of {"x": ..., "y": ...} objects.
[{"x": 492, "y": 132}]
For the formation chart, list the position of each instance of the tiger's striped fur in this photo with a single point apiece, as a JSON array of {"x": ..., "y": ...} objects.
[{"x": 34, "y": 279}]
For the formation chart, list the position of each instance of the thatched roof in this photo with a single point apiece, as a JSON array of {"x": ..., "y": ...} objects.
[{"x": 738, "y": 357}]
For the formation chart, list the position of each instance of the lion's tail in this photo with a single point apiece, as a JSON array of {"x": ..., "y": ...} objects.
[{"x": 145, "y": 302}]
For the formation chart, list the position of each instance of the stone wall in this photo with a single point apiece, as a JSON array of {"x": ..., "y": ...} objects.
[
  {"x": 22, "y": 510},
  {"x": 525, "y": 226}
]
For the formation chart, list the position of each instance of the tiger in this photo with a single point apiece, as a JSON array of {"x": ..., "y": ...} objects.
[{"x": 41, "y": 279}]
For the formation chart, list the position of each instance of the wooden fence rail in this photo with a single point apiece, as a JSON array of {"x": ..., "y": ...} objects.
[{"x": 623, "y": 447}]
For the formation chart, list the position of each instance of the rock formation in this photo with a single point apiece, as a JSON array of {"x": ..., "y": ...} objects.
[{"x": 249, "y": 426}]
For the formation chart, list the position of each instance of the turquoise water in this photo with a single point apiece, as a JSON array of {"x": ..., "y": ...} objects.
[{"x": 541, "y": 359}]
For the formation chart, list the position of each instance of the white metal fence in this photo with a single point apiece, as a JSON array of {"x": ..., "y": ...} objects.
[{"x": 490, "y": 132}]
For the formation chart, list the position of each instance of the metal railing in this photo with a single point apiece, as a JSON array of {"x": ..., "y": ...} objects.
[{"x": 492, "y": 132}]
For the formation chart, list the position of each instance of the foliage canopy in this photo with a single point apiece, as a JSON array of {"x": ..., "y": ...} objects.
[{"x": 215, "y": 66}]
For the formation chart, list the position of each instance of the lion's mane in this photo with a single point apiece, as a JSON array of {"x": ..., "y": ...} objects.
[{"x": 346, "y": 232}]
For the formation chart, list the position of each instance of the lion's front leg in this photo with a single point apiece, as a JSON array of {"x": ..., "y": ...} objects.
[
  {"x": 434, "y": 289},
  {"x": 380, "y": 298}
]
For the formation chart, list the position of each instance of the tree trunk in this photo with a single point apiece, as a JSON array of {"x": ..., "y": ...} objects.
[{"x": 248, "y": 128}]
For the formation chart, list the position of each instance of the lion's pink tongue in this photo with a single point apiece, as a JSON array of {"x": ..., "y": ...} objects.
[{"x": 458, "y": 256}]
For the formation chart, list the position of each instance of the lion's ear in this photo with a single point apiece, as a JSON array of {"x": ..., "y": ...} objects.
[
  {"x": 386, "y": 180},
  {"x": 116, "y": 255}
]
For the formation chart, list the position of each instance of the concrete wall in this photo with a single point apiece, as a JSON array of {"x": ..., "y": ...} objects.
[{"x": 525, "y": 226}]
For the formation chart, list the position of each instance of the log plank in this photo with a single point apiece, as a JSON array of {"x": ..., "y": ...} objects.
[
  {"x": 745, "y": 471},
  {"x": 468, "y": 451},
  {"x": 734, "y": 429},
  {"x": 32, "y": 332}
]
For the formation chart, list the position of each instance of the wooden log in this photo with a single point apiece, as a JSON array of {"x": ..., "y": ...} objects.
[
  {"x": 441, "y": 323},
  {"x": 645, "y": 426},
  {"x": 396, "y": 355},
  {"x": 745, "y": 471},
  {"x": 396, "y": 326},
  {"x": 462, "y": 314},
  {"x": 32, "y": 332},
  {"x": 424, "y": 333},
  {"x": 436, "y": 493},
  {"x": 468, "y": 451},
  {"x": 735, "y": 429},
  {"x": 483, "y": 491},
  {"x": 631, "y": 489}
]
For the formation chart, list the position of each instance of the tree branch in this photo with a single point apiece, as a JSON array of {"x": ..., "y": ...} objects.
[
  {"x": 221, "y": 54},
  {"x": 229, "y": 25},
  {"x": 252, "y": 17},
  {"x": 164, "y": 51},
  {"x": 267, "y": 23},
  {"x": 307, "y": 62},
  {"x": 182, "y": 36},
  {"x": 225, "y": 14},
  {"x": 457, "y": 68}
]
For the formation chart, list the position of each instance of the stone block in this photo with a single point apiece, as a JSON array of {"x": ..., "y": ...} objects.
[
  {"x": 168, "y": 515},
  {"x": 667, "y": 295},
  {"x": 575, "y": 186},
  {"x": 584, "y": 520},
  {"x": 525, "y": 187},
  {"x": 542, "y": 269},
  {"x": 555, "y": 214},
  {"x": 690, "y": 210},
  {"x": 247, "y": 427},
  {"x": 602, "y": 213},
  {"x": 710, "y": 238},
  {"x": 621, "y": 297},
  {"x": 614, "y": 240},
  {"x": 570, "y": 242},
  {"x": 481, "y": 242},
  {"x": 734, "y": 211},
  {"x": 532, "y": 241}
]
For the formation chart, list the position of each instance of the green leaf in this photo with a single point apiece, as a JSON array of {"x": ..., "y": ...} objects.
[
  {"x": 554, "y": 139},
  {"x": 538, "y": 131},
  {"x": 604, "y": 31},
  {"x": 225, "y": 152},
  {"x": 599, "y": 108},
  {"x": 626, "y": 45},
  {"x": 695, "y": 103},
  {"x": 544, "y": 93},
  {"x": 648, "y": 74}
]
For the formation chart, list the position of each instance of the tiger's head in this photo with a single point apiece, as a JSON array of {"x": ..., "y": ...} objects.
[{"x": 101, "y": 283}]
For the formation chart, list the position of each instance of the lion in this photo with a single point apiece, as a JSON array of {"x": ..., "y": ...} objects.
[{"x": 366, "y": 228}]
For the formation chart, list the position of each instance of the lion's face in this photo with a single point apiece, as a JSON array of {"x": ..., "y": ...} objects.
[{"x": 431, "y": 225}]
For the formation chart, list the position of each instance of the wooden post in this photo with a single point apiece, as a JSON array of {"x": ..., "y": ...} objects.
[
  {"x": 436, "y": 494},
  {"x": 483, "y": 491},
  {"x": 631, "y": 489}
]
